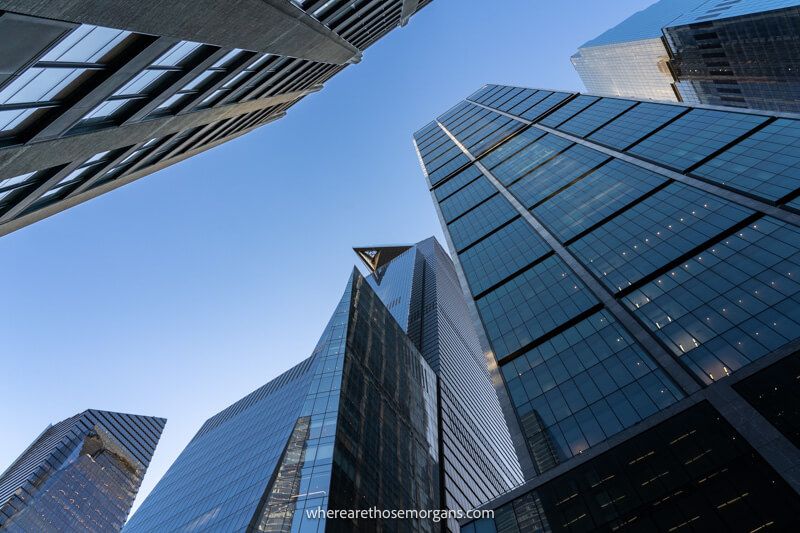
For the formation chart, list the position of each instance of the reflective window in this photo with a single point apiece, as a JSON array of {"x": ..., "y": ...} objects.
[
  {"x": 57, "y": 74},
  {"x": 468, "y": 175},
  {"x": 634, "y": 124},
  {"x": 501, "y": 254},
  {"x": 765, "y": 164},
  {"x": 529, "y": 102},
  {"x": 202, "y": 82},
  {"x": 595, "y": 116},
  {"x": 467, "y": 198},
  {"x": 568, "y": 110},
  {"x": 600, "y": 194},
  {"x": 510, "y": 147},
  {"x": 582, "y": 386},
  {"x": 695, "y": 136},
  {"x": 735, "y": 302},
  {"x": 651, "y": 234},
  {"x": 558, "y": 172},
  {"x": 518, "y": 98},
  {"x": 9, "y": 186},
  {"x": 529, "y": 158},
  {"x": 531, "y": 304},
  {"x": 544, "y": 106},
  {"x": 475, "y": 224},
  {"x": 448, "y": 168}
]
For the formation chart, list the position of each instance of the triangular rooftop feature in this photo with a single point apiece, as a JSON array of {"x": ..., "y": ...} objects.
[{"x": 377, "y": 256}]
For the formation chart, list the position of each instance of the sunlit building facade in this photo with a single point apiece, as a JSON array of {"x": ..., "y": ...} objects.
[
  {"x": 738, "y": 53},
  {"x": 81, "y": 474},
  {"x": 631, "y": 269},
  {"x": 95, "y": 96}
]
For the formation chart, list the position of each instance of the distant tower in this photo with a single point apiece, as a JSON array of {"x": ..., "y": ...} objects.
[{"x": 81, "y": 474}]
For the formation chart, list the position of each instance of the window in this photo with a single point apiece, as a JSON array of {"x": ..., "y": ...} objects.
[
  {"x": 595, "y": 116},
  {"x": 556, "y": 173},
  {"x": 201, "y": 82},
  {"x": 478, "y": 222},
  {"x": 634, "y": 124},
  {"x": 74, "y": 179},
  {"x": 695, "y": 136},
  {"x": 582, "y": 386},
  {"x": 55, "y": 76},
  {"x": 467, "y": 198},
  {"x": 586, "y": 202},
  {"x": 501, "y": 254},
  {"x": 765, "y": 164},
  {"x": 532, "y": 304},
  {"x": 529, "y": 158},
  {"x": 565, "y": 112},
  {"x": 236, "y": 81},
  {"x": 655, "y": 232},
  {"x": 731, "y": 304}
]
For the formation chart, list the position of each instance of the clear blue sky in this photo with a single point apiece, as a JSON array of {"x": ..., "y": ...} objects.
[{"x": 182, "y": 292}]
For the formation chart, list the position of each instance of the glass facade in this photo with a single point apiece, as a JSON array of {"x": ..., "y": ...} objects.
[
  {"x": 81, "y": 474},
  {"x": 739, "y": 54},
  {"x": 692, "y": 472},
  {"x": 478, "y": 460},
  {"x": 354, "y": 426},
  {"x": 623, "y": 258}
]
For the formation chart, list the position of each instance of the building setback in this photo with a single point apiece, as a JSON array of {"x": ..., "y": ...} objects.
[
  {"x": 715, "y": 52},
  {"x": 94, "y": 95},
  {"x": 81, "y": 474},
  {"x": 631, "y": 267},
  {"x": 381, "y": 415}
]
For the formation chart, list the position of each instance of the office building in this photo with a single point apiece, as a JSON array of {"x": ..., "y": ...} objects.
[
  {"x": 95, "y": 96},
  {"x": 368, "y": 421},
  {"x": 631, "y": 59},
  {"x": 419, "y": 286},
  {"x": 631, "y": 269},
  {"x": 81, "y": 474},
  {"x": 738, "y": 53}
]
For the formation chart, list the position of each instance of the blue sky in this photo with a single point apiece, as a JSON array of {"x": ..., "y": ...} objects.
[{"x": 180, "y": 293}]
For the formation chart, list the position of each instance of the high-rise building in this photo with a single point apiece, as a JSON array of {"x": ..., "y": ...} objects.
[
  {"x": 631, "y": 269},
  {"x": 419, "y": 286},
  {"x": 81, "y": 474},
  {"x": 631, "y": 59},
  {"x": 743, "y": 53},
  {"x": 94, "y": 95},
  {"x": 369, "y": 420}
]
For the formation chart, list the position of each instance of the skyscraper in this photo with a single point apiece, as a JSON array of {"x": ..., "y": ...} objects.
[
  {"x": 94, "y": 95},
  {"x": 741, "y": 54},
  {"x": 718, "y": 52},
  {"x": 631, "y": 59},
  {"x": 631, "y": 269},
  {"x": 420, "y": 288},
  {"x": 364, "y": 422},
  {"x": 81, "y": 474}
]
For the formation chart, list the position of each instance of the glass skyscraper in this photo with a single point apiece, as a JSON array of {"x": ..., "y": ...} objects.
[
  {"x": 631, "y": 59},
  {"x": 740, "y": 53},
  {"x": 81, "y": 474},
  {"x": 94, "y": 95},
  {"x": 383, "y": 414},
  {"x": 421, "y": 290},
  {"x": 632, "y": 268}
]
